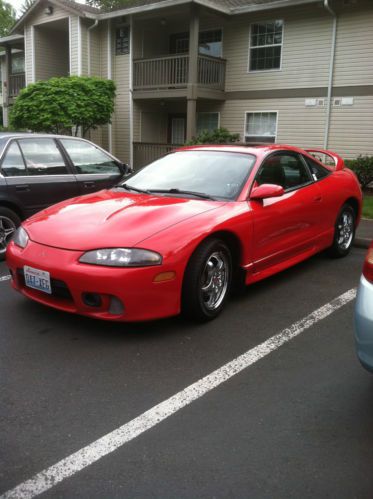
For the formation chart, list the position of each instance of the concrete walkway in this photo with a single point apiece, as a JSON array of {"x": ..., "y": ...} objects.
[{"x": 364, "y": 233}]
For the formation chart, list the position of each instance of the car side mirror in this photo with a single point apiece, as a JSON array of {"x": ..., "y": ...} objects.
[
  {"x": 265, "y": 191},
  {"x": 124, "y": 168}
]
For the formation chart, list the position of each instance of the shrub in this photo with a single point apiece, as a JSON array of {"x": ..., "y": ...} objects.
[
  {"x": 363, "y": 168},
  {"x": 217, "y": 136},
  {"x": 59, "y": 105}
]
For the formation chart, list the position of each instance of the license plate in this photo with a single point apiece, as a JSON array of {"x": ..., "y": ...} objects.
[{"x": 37, "y": 279}]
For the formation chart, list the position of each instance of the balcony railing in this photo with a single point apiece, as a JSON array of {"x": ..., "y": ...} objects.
[
  {"x": 172, "y": 72},
  {"x": 146, "y": 152},
  {"x": 16, "y": 83}
]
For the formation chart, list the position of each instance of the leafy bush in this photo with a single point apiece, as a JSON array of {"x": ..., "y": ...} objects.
[
  {"x": 217, "y": 136},
  {"x": 59, "y": 105},
  {"x": 363, "y": 167}
]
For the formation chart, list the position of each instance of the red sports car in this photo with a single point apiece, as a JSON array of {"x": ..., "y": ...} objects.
[{"x": 177, "y": 235}]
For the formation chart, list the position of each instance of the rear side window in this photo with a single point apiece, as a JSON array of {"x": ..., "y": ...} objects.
[
  {"x": 89, "y": 159},
  {"x": 42, "y": 157},
  {"x": 318, "y": 172},
  {"x": 13, "y": 165}
]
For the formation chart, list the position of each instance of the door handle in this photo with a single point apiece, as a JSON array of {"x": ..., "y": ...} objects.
[
  {"x": 318, "y": 198},
  {"x": 89, "y": 184},
  {"x": 22, "y": 188}
]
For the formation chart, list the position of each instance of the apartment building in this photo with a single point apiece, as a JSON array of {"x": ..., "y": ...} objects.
[{"x": 288, "y": 71}]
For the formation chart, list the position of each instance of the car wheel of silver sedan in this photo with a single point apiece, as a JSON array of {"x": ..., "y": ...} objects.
[
  {"x": 344, "y": 232},
  {"x": 207, "y": 280},
  {"x": 9, "y": 222}
]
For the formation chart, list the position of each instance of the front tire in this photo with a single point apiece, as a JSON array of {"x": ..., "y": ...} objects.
[
  {"x": 9, "y": 221},
  {"x": 207, "y": 280},
  {"x": 344, "y": 232}
]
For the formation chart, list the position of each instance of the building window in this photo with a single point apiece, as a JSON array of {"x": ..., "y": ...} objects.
[
  {"x": 266, "y": 46},
  {"x": 207, "y": 121},
  {"x": 261, "y": 127},
  {"x": 122, "y": 40}
]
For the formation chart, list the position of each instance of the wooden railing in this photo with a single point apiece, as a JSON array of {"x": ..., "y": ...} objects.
[
  {"x": 172, "y": 72},
  {"x": 211, "y": 72},
  {"x": 16, "y": 83},
  {"x": 146, "y": 152}
]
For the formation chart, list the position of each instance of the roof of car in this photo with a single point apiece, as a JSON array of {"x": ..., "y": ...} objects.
[
  {"x": 241, "y": 148},
  {"x": 31, "y": 135}
]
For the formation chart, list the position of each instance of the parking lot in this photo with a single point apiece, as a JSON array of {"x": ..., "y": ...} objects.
[{"x": 294, "y": 421}]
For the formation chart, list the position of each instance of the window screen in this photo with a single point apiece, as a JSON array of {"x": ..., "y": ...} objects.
[
  {"x": 265, "y": 46},
  {"x": 261, "y": 127}
]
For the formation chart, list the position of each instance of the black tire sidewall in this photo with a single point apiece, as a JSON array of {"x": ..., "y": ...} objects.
[{"x": 7, "y": 212}]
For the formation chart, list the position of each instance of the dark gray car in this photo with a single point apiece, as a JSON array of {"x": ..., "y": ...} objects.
[{"x": 39, "y": 170}]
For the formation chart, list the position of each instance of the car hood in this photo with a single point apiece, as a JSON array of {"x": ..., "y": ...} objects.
[{"x": 110, "y": 219}]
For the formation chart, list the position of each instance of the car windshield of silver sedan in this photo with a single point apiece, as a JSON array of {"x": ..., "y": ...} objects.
[{"x": 195, "y": 173}]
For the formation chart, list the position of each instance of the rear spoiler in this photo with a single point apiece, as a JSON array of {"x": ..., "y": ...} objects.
[{"x": 328, "y": 158}]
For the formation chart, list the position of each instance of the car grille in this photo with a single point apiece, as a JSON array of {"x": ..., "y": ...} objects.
[{"x": 59, "y": 288}]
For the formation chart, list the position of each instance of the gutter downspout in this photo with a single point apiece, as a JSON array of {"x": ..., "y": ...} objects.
[
  {"x": 331, "y": 71},
  {"x": 94, "y": 25},
  {"x": 110, "y": 77}
]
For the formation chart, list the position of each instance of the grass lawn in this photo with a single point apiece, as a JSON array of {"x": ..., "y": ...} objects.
[{"x": 368, "y": 206}]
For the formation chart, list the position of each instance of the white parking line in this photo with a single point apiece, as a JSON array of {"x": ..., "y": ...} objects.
[
  {"x": 69, "y": 466},
  {"x": 4, "y": 278}
]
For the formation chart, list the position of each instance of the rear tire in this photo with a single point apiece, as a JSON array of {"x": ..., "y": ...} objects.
[
  {"x": 207, "y": 280},
  {"x": 344, "y": 232},
  {"x": 9, "y": 221}
]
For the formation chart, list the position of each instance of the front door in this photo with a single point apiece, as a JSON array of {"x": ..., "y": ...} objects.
[{"x": 177, "y": 129}]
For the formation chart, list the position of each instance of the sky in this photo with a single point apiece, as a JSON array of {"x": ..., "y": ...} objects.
[{"x": 17, "y": 4}]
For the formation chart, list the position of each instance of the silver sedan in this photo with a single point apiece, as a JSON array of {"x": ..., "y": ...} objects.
[{"x": 364, "y": 314}]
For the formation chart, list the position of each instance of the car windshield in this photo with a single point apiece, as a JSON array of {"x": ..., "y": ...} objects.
[{"x": 204, "y": 174}]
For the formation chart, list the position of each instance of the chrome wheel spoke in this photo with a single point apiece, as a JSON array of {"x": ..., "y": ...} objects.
[{"x": 215, "y": 280}]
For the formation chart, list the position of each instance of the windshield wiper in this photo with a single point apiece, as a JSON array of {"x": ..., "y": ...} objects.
[
  {"x": 201, "y": 195},
  {"x": 131, "y": 188}
]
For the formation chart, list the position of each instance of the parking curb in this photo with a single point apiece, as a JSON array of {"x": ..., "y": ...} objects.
[{"x": 361, "y": 242}]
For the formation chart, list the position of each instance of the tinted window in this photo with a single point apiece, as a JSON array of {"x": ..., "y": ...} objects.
[
  {"x": 13, "y": 165},
  {"x": 317, "y": 170},
  {"x": 283, "y": 169},
  {"x": 217, "y": 174},
  {"x": 89, "y": 159},
  {"x": 42, "y": 157}
]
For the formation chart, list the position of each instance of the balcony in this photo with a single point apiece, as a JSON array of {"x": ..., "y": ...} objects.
[
  {"x": 16, "y": 83},
  {"x": 146, "y": 152},
  {"x": 170, "y": 73}
]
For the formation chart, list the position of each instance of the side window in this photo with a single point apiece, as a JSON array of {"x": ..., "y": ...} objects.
[
  {"x": 89, "y": 159},
  {"x": 42, "y": 157},
  {"x": 295, "y": 172},
  {"x": 13, "y": 165},
  {"x": 318, "y": 172},
  {"x": 284, "y": 169}
]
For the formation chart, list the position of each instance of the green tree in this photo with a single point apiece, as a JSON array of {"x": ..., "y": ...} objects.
[
  {"x": 60, "y": 105},
  {"x": 107, "y": 4},
  {"x": 7, "y": 17}
]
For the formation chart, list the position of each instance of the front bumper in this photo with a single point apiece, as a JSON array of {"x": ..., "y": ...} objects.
[
  {"x": 364, "y": 323},
  {"x": 127, "y": 294}
]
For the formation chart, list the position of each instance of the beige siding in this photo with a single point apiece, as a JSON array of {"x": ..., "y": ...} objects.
[
  {"x": 52, "y": 53},
  {"x": 39, "y": 16},
  {"x": 121, "y": 119},
  {"x": 354, "y": 48},
  {"x": 297, "y": 125},
  {"x": 74, "y": 37},
  {"x": 351, "y": 128},
  {"x": 305, "y": 53},
  {"x": 28, "y": 54}
]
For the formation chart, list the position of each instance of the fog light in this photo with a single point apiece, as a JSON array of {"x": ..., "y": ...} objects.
[{"x": 116, "y": 306}]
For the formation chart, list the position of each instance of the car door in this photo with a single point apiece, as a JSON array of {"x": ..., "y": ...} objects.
[
  {"x": 285, "y": 226},
  {"x": 94, "y": 168},
  {"x": 36, "y": 174}
]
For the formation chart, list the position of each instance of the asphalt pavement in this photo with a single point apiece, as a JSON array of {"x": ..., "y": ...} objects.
[{"x": 296, "y": 423}]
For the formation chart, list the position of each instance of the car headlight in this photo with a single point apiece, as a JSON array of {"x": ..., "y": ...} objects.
[
  {"x": 122, "y": 257},
  {"x": 20, "y": 237}
]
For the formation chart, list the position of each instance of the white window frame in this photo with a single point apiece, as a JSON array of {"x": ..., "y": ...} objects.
[
  {"x": 259, "y": 71},
  {"x": 261, "y": 112},
  {"x": 208, "y": 112}
]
